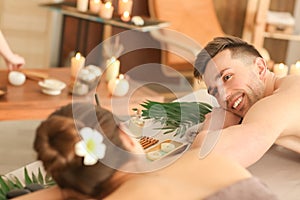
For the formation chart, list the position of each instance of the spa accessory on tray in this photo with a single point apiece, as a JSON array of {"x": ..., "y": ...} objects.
[
  {"x": 52, "y": 86},
  {"x": 147, "y": 142},
  {"x": 164, "y": 149}
]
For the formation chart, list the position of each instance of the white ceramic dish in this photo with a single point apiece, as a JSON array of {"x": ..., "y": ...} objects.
[
  {"x": 52, "y": 84},
  {"x": 51, "y": 92}
]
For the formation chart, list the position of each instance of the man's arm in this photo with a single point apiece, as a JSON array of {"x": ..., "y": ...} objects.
[{"x": 247, "y": 142}]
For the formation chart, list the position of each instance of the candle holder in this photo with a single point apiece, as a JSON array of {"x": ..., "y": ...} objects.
[
  {"x": 112, "y": 68},
  {"x": 295, "y": 68},
  {"x": 118, "y": 86},
  {"x": 280, "y": 69},
  {"x": 106, "y": 10},
  {"x": 125, "y": 17},
  {"x": 95, "y": 6},
  {"x": 125, "y": 5},
  {"x": 82, "y": 5},
  {"x": 113, "y": 50},
  {"x": 77, "y": 63}
]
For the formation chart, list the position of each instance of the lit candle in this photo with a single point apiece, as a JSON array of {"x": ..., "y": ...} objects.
[
  {"x": 82, "y": 5},
  {"x": 280, "y": 69},
  {"x": 112, "y": 68},
  {"x": 106, "y": 10},
  {"x": 295, "y": 68},
  {"x": 118, "y": 86},
  {"x": 125, "y": 5},
  {"x": 95, "y": 6},
  {"x": 77, "y": 63},
  {"x": 126, "y": 16}
]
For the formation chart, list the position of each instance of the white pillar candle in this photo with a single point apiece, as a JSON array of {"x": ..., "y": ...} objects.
[
  {"x": 77, "y": 63},
  {"x": 118, "y": 86},
  {"x": 280, "y": 69},
  {"x": 106, "y": 10},
  {"x": 95, "y": 6},
  {"x": 295, "y": 68},
  {"x": 125, "y": 17},
  {"x": 82, "y": 5},
  {"x": 125, "y": 5},
  {"x": 112, "y": 68}
]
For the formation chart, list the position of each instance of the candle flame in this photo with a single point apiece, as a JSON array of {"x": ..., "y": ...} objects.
[
  {"x": 281, "y": 66},
  {"x": 125, "y": 1},
  {"x": 77, "y": 56},
  {"x": 126, "y": 14},
  {"x": 96, "y": 1},
  {"x": 108, "y": 4},
  {"x": 121, "y": 76},
  {"x": 298, "y": 64}
]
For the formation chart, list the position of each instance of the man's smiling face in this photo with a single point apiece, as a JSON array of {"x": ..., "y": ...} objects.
[{"x": 235, "y": 82}]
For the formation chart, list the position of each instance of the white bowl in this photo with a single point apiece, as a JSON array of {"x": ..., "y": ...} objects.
[
  {"x": 51, "y": 92},
  {"x": 52, "y": 84}
]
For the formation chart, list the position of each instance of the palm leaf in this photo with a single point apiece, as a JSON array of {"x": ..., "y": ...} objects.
[
  {"x": 27, "y": 177},
  {"x": 40, "y": 177},
  {"x": 175, "y": 116},
  {"x": 12, "y": 182},
  {"x": 4, "y": 186}
]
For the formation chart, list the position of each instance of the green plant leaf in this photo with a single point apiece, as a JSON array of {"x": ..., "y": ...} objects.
[
  {"x": 27, "y": 177},
  {"x": 34, "y": 178},
  {"x": 2, "y": 196},
  {"x": 176, "y": 117},
  {"x": 40, "y": 177},
  {"x": 3, "y": 184},
  {"x": 12, "y": 182},
  {"x": 17, "y": 182}
]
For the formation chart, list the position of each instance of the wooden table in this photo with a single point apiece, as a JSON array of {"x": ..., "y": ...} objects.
[{"x": 28, "y": 102}]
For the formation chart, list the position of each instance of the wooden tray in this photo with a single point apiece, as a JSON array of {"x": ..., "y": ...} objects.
[{"x": 162, "y": 154}]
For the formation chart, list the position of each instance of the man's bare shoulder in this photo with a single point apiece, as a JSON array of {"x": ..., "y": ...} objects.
[
  {"x": 288, "y": 84},
  {"x": 279, "y": 111},
  {"x": 281, "y": 104}
]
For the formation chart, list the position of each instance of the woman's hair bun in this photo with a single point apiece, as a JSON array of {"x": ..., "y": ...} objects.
[{"x": 55, "y": 140}]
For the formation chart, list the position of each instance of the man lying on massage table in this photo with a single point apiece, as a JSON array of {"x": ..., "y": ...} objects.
[{"x": 257, "y": 108}]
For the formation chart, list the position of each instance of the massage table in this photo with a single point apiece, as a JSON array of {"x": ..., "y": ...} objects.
[{"x": 279, "y": 168}]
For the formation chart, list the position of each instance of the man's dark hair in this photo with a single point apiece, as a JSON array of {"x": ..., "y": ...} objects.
[{"x": 236, "y": 46}]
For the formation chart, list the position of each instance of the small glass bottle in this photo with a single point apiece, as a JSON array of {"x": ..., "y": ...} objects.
[{"x": 136, "y": 125}]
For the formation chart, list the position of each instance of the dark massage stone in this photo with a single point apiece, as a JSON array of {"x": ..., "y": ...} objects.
[
  {"x": 34, "y": 187},
  {"x": 16, "y": 192}
]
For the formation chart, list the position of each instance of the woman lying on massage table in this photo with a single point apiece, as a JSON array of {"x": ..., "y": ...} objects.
[{"x": 120, "y": 173}]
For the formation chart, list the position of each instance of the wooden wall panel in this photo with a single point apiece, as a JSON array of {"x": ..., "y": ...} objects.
[
  {"x": 278, "y": 48},
  {"x": 231, "y": 14},
  {"x": 26, "y": 27}
]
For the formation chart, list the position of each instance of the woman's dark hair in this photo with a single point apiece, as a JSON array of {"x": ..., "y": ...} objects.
[
  {"x": 55, "y": 141},
  {"x": 237, "y": 47}
]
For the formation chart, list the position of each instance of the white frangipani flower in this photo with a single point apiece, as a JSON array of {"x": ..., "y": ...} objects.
[{"x": 91, "y": 147}]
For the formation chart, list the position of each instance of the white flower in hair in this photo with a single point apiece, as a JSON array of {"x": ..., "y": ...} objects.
[{"x": 91, "y": 147}]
